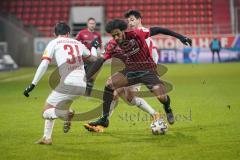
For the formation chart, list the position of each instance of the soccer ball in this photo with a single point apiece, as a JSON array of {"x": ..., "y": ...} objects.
[{"x": 159, "y": 127}]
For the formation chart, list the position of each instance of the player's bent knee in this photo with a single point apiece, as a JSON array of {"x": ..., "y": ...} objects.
[
  {"x": 49, "y": 113},
  {"x": 115, "y": 96},
  {"x": 130, "y": 99},
  {"x": 109, "y": 85},
  {"x": 162, "y": 98}
]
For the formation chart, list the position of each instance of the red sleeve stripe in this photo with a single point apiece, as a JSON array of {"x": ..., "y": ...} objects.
[
  {"x": 47, "y": 58},
  {"x": 85, "y": 58}
]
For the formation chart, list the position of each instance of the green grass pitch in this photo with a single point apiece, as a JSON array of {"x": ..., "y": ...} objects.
[{"x": 205, "y": 100}]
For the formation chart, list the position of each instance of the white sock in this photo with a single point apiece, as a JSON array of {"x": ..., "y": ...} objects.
[
  {"x": 48, "y": 128},
  {"x": 142, "y": 104}
]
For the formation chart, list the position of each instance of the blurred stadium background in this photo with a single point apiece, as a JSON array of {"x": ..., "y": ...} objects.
[
  {"x": 26, "y": 26},
  {"x": 205, "y": 97}
]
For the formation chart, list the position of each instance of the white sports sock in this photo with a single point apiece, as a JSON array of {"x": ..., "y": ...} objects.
[
  {"x": 48, "y": 128},
  {"x": 142, "y": 104}
]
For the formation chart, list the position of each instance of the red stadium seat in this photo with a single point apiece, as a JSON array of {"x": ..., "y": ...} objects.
[
  {"x": 12, "y": 10},
  {"x": 33, "y": 15},
  {"x": 155, "y": 2},
  {"x": 125, "y": 7},
  {"x": 202, "y": 20},
  {"x": 41, "y": 15},
  {"x": 156, "y": 21},
  {"x": 186, "y": 20},
  {"x": 65, "y": 16},
  {"x": 35, "y": 10},
  {"x": 171, "y": 1},
  {"x": 19, "y": 16},
  {"x": 53, "y": 10},
  {"x": 43, "y": 9},
  {"x": 155, "y": 14},
  {"x": 43, "y": 3},
  {"x": 163, "y": 8},
  {"x": 27, "y": 3},
  {"x": 171, "y": 20},
  {"x": 48, "y": 22},
  {"x": 57, "y": 3},
  {"x": 40, "y": 22},
  {"x": 35, "y": 3},
  {"x": 33, "y": 21},
  {"x": 195, "y": 20},
  {"x": 51, "y": 3},
  {"x": 110, "y": 9},
  {"x": 163, "y": 20},
  {"x": 165, "y": 12},
  {"x": 19, "y": 10},
  {"x": 26, "y": 16},
  {"x": 148, "y": 8},
  {"x": 178, "y": 20},
  {"x": 19, "y": 3},
  {"x": 171, "y": 8},
  {"x": 163, "y": 1}
]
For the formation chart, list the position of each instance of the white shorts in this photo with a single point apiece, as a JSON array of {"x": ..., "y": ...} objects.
[
  {"x": 67, "y": 90},
  {"x": 61, "y": 100}
]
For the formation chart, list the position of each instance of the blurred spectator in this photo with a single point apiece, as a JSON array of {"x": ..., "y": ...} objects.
[
  {"x": 215, "y": 46},
  {"x": 86, "y": 36}
]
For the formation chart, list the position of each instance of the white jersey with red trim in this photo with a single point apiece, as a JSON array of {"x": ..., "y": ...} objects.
[
  {"x": 66, "y": 50},
  {"x": 69, "y": 55}
]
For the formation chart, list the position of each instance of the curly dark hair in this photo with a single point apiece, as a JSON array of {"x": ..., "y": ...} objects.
[
  {"x": 61, "y": 28},
  {"x": 116, "y": 24},
  {"x": 135, "y": 13}
]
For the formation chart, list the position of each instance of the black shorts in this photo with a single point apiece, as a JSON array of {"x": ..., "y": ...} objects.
[{"x": 148, "y": 78}]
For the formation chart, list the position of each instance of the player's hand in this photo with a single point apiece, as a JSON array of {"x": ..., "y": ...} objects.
[
  {"x": 186, "y": 41},
  {"x": 95, "y": 43},
  {"x": 28, "y": 89}
]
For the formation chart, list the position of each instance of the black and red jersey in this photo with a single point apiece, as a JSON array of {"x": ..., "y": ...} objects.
[{"x": 133, "y": 51}]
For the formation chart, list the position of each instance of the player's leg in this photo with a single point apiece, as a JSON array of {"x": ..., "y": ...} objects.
[
  {"x": 90, "y": 82},
  {"x": 116, "y": 94},
  {"x": 57, "y": 106},
  {"x": 49, "y": 115},
  {"x": 213, "y": 52},
  {"x": 114, "y": 82},
  {"x": 130, "y": 96},
  {"x": 219, "y": 59},
  {"x": 156, "y": 86},
  {"x": 165, "y": 100}
]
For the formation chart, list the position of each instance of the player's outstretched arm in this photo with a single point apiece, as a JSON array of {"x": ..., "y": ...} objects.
[
  {"x": 38, "y": 75},
  {"x": 158, "y": 30}
]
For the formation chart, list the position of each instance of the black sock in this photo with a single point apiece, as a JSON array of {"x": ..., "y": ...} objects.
[
  {"x": 107, "y": 100},
  {"x": 89, "y": 88},
  {"x": 166, "y": 104}
]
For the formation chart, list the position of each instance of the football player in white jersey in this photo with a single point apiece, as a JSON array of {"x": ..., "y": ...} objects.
[
  {"x": 69, "y": 55},
  {"x": 129, "y": 93}
]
